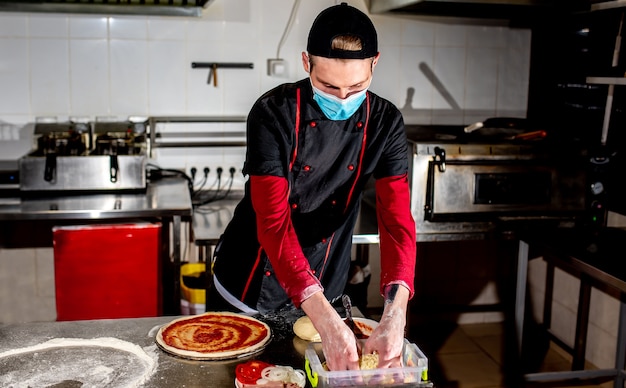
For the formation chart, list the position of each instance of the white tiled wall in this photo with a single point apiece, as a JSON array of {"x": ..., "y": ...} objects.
[
  {"x": 88, "y": 66},
  {"x": 65, "y": 66},
  {"x": 27, "y": 292}
]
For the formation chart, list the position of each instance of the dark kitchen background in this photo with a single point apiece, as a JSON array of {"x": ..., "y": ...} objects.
[{"x": 444, "y": 72}]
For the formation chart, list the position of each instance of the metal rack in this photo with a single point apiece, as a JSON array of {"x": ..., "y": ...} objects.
[
  {"x": 214, "y": 139},
  {"x": 611, "y": 82}
]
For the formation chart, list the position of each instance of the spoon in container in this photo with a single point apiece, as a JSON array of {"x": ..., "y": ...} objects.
[{"x": 347, "y": 305}]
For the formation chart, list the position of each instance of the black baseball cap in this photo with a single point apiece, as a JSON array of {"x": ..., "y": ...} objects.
[{"x": 342, "y": 19}]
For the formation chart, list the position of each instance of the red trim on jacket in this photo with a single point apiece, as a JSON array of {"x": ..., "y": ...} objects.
[
  {"x": 330, "y": 244},
  {"x": 396, "y": 228},
  {"x": 296, "y": 131},
  {"x": 256, "y": 264},
  {"x": 363, "y": 144}
]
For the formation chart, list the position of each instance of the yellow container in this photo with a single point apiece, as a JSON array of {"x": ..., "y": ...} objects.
[{"x": 188, "y": 292}]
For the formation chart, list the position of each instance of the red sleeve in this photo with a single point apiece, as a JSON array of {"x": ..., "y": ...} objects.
[
  {"x": 270, "y": 199},
  {"x": 396, "y": 228}
]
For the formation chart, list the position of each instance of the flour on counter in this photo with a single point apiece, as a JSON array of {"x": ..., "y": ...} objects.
[{"x": 93, "y": 362}]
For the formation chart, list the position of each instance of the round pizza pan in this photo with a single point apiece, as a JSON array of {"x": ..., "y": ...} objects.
[
  {"x": 213, "y": 358},
  {"x": 208, "y": 356}
]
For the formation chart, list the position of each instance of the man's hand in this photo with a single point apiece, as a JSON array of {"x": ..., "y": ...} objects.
[
  {"x": 388, "y": 337},
  {"x": 338, "y": 341}
]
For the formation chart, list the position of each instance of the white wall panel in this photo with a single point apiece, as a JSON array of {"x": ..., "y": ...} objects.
[
  {"x": 89, "y": 77},
  {"x": 129, "y": 77},
  {"x": 481, "y": 74},
  {"x": 126, "y": 27},
  {"x": 166, "y": 82},
  {"x": 89, "y": 27},
  {"x": 167, "y": 29},
  {"x": 49, "y": 87},
  {"x": 12, "y": 25},
  {"x": 48, "y": 26},
  {"x": 14, "y": 64}
]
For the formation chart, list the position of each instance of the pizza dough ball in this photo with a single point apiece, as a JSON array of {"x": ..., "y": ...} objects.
[
  {"x": 368, "y": 361},
  {"x": 304, "y": 329}
]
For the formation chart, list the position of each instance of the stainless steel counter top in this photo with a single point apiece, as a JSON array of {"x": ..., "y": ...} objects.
[
  {"x": 284, "y": 349},
  {"x": 163, "y": 198},
  {"x": 167, "y": 199}
]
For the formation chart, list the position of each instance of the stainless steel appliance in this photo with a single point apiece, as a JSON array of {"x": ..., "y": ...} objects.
[
  {"x": 9, "y": 175},
  {"x": 85, "y": 157},
  {"x": 466, "y": 185},
  {"x": 9, "y": 181}
]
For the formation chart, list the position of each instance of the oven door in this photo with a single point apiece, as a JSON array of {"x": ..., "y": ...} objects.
[{"x": 483, "y": 190}]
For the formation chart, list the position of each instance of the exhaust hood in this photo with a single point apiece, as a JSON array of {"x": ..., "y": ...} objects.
[
  {"x": 483, "y": 9},
  {"x": 109, "y": 7}
]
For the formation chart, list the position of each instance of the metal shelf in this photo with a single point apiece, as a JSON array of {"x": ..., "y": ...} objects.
[
  {"x": 198, "y": 119},
  {"x": 611, "y": 82},
  {"x": 152, "y": 122},
  {"x": 606, "y": 80},
  {"x": 608, "y": 5}
]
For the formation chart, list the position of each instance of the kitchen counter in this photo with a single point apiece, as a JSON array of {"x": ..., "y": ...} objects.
[
  {"x": 284, "y": 349},
  {"x": 166, "y": 200},
  {"x": 163, "y": 198}
]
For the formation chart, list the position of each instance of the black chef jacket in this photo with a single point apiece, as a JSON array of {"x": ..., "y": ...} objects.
[{"x": 327, "y": 164}]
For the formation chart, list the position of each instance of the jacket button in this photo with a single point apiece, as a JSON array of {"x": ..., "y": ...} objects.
[
  {"x": 307, "y": 168},
  {"x": 359, "y": 124},
  {"x": 324, "y": 241},
  {"x": 313, "y": 271},
  {"x": 333, "y": 202},
  {"x": 267, "y": 273},
  {"x": 313, "y": 124},
  {"x": 294, "y": 205},
  {"x": 351, "y": 167}
]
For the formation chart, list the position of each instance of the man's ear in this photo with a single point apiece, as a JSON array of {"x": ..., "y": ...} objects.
[
  {"x": 375, "y": 61},
  {"x": 305, "y": 62}
]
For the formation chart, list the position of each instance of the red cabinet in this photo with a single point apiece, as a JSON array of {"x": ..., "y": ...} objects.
[{"x": 107, "y": 271}]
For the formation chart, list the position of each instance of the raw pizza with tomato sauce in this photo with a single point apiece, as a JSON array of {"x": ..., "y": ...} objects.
[{"x": 214, "y": 336}]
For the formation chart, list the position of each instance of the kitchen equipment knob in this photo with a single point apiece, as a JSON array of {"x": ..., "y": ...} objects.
[
  {"x": 597, "y": 188},
  {"x": 440, "y": 159},
  {"x": 113, "y": 168},
  {"x": 49, "y": 172}
]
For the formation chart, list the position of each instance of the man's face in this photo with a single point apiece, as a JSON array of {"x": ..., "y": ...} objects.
[{"x": 340, "y": 77}]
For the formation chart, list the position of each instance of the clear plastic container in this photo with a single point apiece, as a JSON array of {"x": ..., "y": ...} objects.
[{"x": 413, "y": 373}]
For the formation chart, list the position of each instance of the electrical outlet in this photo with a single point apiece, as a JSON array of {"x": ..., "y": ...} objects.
[{"x": 277, "y": 67}]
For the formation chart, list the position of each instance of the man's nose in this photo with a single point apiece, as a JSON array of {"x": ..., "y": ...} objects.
[{"x": 343, "y": 93}]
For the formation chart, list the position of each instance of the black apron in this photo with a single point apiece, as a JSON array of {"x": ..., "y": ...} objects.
[{"x": 327, "y": 164}]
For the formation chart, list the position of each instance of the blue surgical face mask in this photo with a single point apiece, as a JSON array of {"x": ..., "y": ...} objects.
[{"x": 336, "y": 108}]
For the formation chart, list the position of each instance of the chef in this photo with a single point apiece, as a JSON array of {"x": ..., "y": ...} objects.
[{"x": 312, "y": 146}]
